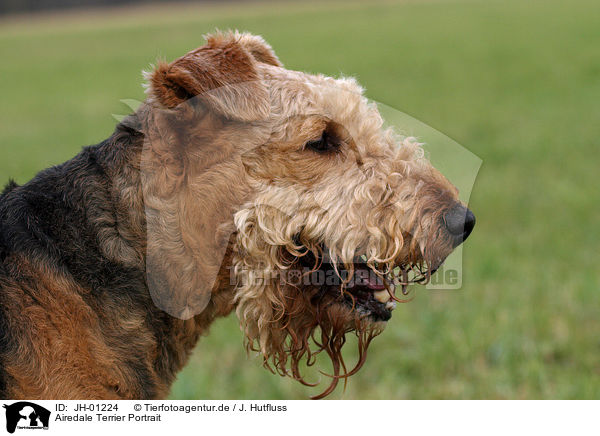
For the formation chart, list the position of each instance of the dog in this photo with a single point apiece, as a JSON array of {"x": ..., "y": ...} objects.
[{"x": 237, "y": 185}]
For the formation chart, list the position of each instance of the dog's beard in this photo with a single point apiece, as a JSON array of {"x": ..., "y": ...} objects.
[
  {"x": 312, "y": 318},
  {"x": 313, "y": 322},
  {"x": 304, "y": 317}
]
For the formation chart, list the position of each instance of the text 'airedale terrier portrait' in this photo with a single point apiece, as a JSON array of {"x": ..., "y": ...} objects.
[{"x": 237, "y": 186}]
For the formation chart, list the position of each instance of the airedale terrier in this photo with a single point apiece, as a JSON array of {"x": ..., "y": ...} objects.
[{"x": 237, "y": 185}]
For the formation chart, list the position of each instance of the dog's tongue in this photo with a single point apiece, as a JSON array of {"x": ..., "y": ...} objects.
[
  {"x": 374, "y": 282},
  {"x": 366, "y": 277}
]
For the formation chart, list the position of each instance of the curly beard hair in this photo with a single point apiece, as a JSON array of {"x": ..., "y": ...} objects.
[{"x": 307, "y": 321}]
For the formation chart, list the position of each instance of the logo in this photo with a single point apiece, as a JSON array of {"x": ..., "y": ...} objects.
[{"x": 26, "y": 415}]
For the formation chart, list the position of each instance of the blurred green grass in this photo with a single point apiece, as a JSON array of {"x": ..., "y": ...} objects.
[{"x": 517, "y": 83}]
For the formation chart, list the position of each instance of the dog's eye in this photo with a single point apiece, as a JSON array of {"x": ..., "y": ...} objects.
[{"x": 324, "y": 144}]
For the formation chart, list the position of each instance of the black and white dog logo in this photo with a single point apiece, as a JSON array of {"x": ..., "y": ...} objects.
[{"x": 26, "y": 415}]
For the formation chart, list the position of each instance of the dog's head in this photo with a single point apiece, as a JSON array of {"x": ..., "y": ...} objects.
[{"x": 323, "y": 216}]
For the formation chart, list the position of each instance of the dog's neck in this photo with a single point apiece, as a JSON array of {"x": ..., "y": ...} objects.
[{"x": 127, "y": 242}]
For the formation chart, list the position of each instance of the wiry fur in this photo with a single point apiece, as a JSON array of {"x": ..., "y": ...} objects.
[{"x": 211, "y": 173}]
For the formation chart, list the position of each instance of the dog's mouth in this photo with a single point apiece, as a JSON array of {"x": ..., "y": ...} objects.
[
  {"x": 370, "y": 290},
  {"x": 370, "y": 294}
]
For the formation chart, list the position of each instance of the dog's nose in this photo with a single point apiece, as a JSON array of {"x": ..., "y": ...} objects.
[{"x": 460, "y": 222}]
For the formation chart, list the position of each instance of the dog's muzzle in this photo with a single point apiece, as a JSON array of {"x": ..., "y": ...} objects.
[{"x": 459, "y": 222}]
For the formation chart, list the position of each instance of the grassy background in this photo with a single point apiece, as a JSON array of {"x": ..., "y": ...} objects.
[{"x": 517, "y": 83}]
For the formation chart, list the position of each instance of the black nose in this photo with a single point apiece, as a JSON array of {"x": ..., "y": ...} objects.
[{"x": 460, "y": 222}]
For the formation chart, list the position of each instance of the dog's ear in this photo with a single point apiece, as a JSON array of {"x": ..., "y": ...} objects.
[
  {"x": 259, "y": 49},
  {"x": 222, "y": 74}
]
